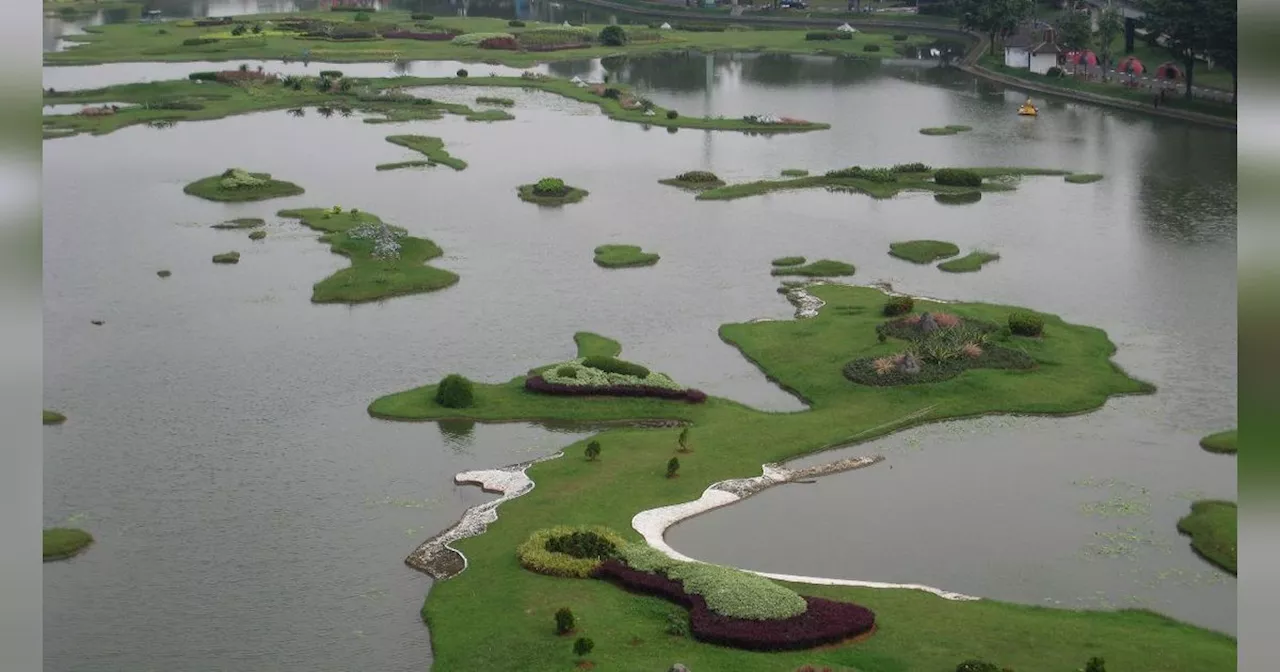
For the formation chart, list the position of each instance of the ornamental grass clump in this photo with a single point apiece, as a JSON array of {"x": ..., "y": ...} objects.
[{"x": 552, "y": 550}]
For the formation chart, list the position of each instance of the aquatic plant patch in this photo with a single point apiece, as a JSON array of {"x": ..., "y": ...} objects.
[
  {"x": 923, "y": 251},
  {"x": 61, "y": 543},
  {"x": 695, "y": 180},
  {"x": 787, "y": 261},
  {"x": 961, "y": 198},
  {"x": 1221, "y": 442},
  {"x": 431, "y": 147},
  {"x": 553, "y": 550},
  {"x": 550, "y": 191},
  {"x": 969, "y": 263},
  {"x": 623, "y": 256},
  {"x": 52, "y": 417},
  {"x": 1082, "y": 178},
  {"x": 822, "y": 268},
  {"x": 235, "y": 184}
]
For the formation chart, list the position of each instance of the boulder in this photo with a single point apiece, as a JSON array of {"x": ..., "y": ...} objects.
[
  {"x": 909, "y": 365},
  {"x": 927, "y": 323}
]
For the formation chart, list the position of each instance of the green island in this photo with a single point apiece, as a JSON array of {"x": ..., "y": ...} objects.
[
  {"x": 788, "y": 261},
  {"x": 385, "y": 261},
  {"x": 1082, "y": 178},
  {"x": 550, "y": 191},
  {"x": 950, "y": 129},
  {"x": 923, "y": 251},
  {"x": 694, "y": 180},
  {"x": 498, "y": 615},
  {"x": 338, "y": 37},
  {"x": 623, "y": 256},
  {"x": 241, "y": 223},
  {"x": 53, "y": 417},
  {"x": 231, "y": 257},
  {"x": 257, "y": 235},
  {"x": 969, "y": 263},
  {"x": 887, "y": 182},
  {"x": 245, "y": 92},
  {"x": 822, "y": 268},
  {"x": 1212, "y": 528},
  {"x": 795, "y": 172},
  {"x": 1221, "y": 442},
  {"x": 494, "y": 100},
  {"x": 235, "y": 184},
  {"x": 61, "y": 543},
  {"x": 431, "y": 147},
  {"x": 961, "y": 198}
]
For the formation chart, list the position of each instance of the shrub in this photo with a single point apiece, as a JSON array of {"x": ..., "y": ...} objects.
[
  {"x": 473, "y": 39},
  {"x": 583, "y": 544},
  {"x": 506, "y": 42},
  {"x": 672, "y": 114},
  {"x": 1026, "y": 324},
  {"x": 550, "y": 186},
  {"x": 613, "y": 93},
  {"x": 564, "y": 621},
  {"x": 462, "y": 72},
  {"x": 516, "y": 23},
  {"x": 361, "y": 17},
  {"x": 257, "y": 28},
  {"x": 697, "y": 177},
  {"x": 882, "y": 175},
  {"x": 593, "y": 450},
  {"x": 871, "y": 47},
  {"x": 205, "y": 76},
  {"x": 914, "y": 167},
  {"x": 957, "y": 177},
  {"x": 826, "y": 35},
  {"x": 421, "y": 17},
  {"x": 678, "y": 624},
  {"x": 615, "y": 365},
  {"x": 683, "y": 440},
  {"x": 541, "y": 385},
  {"x": 567, "y": 372},
  {"x": 673, "y": 466},
  {"x": 331, "y": 74},
  {"x": 442, "y": 36},
  {"x": 454, "y": 392},
  {"x": 899, "y": 38},
  {"x": 197, "y": 41},
  {"x": 583, "y": 646},
  {"x": 1054, "y": 71},
  {"x": 613, "y": 36},
  {"x": 238, "y": 30},
  {"x": 1095, "y": 664},
  {"x": 898, "y": 305},
  {"x": 536, "y": 556}
]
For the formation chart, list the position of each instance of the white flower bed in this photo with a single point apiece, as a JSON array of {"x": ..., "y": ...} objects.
[{"x": 585, "y": 376}]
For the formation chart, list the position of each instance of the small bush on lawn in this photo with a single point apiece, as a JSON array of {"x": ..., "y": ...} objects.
[
  {"x": 1026, "y": 324},
  {"x": 1095, "y": 664},
  {"x": 871, "y": 47},
  {"x": 197, "y": 41},
  {"x": 898, "y": 305},
  {"x": 613, "y": 93},
  {"x": 957, "y": 177},
  {"x": 1054, "y": 72},
  {"x": 678, "y": 624},
  {"x": 673, "y": 467},
  {"x": 206, "y": 76},
  {"x": 516, "y": 23},
  {"x": 899, "y": 38},
  {"x": 593, "y": 450},
  {"x": 826, "y": 35},
  {"x": 615, "y": 365},
  {"x": 535, "y": 554},
  {"x": 613, "y": 36},
  {"x": 421, "y": 17},
  {"x": 914, "y": 167},
  {"x": 550, "y": 186},
  {"x": 583, "y": 646},
  {"x": 564, "y": 621},
  {"x": 975, "y": 665},
  {"x": 454, "y": 392},
  {"x": 697, "y": 176},
  {"x": 583, "y": 544},
  {"x": 672, "y": 114}
]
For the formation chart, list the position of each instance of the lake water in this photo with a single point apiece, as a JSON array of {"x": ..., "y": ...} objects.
[{"x": 250, "y": 515}]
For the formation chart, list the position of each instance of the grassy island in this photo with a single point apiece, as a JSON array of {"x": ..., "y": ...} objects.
[
  {"x": 1082, "y": 178},
  {"x": 432, "y": 148},
  {"x": 887, "y": 182},
  {"x": 822, "y": 268},
  {"x": 235, "y": 184},
  {"x": 1212, "y": 528},
  {"x": 550, "y": 191},
  {"x": 241, "y": 223},
  {"x": 1221, "y": 442},
  {"x": 232, "y": 257},
  {"x": 923, "y": 251},
  {"x": 795, "y": 172},
  {"x": 494, "y": 100},
  {"x": 385, "y": 261},
  {"x": 623, "y": 256},
  {"x": 53, "y": 417},
  {"x": 61, "y": 543},
  {"x": 969, "y": 263},
  {"x": 950, "y": 129},
  {"x": 474, "y": 624},
  {"x": 694, "y": 180},
  {"x": 788, "y": 261}
]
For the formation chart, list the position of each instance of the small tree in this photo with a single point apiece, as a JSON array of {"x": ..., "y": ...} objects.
[
  {"x": 593, "y": 450},
  {"x": 1095, "y": 664},
  {"x": 613, "y": 36},
  {"x": 583, "y": 646},
  {"x": 684, "y": 440},
  {"x": 564, "y": 621},
  {"x": 673, "y": 466},
  {"x": 454, "y": 392}
]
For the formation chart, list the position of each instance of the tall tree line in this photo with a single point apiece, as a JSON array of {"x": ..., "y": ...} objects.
[{"x": 1191, "y": 28}]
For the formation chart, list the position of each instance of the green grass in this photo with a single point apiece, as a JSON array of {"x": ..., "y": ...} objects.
[
  {"x": 140, "y": 42},
  {"x": 595, "y": 345},
  {"x": 1212, "y": 528},
  {"x": 1221, "y": 442},
  {"x": 623, "y": 256},
  {"x": 969, "y": 263},
  {"x": 923, "y": 251},
  {"x": 496, "y": 615},
  {"x": 788, "y": 261},
  {"x": 1082, "y": 178},
  {"x": 822, "y": 268},
  {"x": 404, "y": 164},
  {"x": 795, "y": 172},
  {"x": 210, "y": 188},
  {"x": 526, "y": 193},
  {"x": 431, "y": 147},
  {"x": 241, "y": 223},
  {"x": 216, "y": 101},
  {"x": 493, "y": 100},
  {"x": 61, "y": 543},
  {"x": 997, "y": 179},
  {"x": 370, "y": 278},
  {"x": 53, "y": 417}
]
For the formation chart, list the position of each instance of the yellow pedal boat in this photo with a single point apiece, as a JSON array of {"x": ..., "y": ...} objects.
[{"x": 1028, "y": 110}]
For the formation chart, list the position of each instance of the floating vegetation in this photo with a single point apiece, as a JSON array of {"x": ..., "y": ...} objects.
[
  {"x": 1124, "y": 543},
  {"x": 403, "y": 502},
  {"x": 1118, "y": 507}
]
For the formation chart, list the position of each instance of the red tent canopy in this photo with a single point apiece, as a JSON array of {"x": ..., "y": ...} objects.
[
  {"x": 1131, "y": 65},
  {"x": 1085, "y": 57},
  {"x": 1168, "y": 70}
]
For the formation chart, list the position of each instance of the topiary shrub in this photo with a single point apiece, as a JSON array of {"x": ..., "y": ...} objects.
[
  {"x": 593, "y": 451},
  {"x": 567, "y": 372},
  {"x": 462, "y": 72},
  {"x": 1054, "y": 72},
  {"x": 899, "y": 38},
  {"x": 1026, "y": 324},
  {"x": 957, "y": 177},
  {"x": 421, "y": 17},
  {"x": 871, "y": 47},
  {"x": 516, "y": 23},
  {"x": 1095, "y": 664},
  {"x": 672, "y": 114},
  {"x": 976, "y": 665},
  {"x": 898, "y": 305},
  {"x": 583, "y": 646},
  {"x": 537, "y": 555},
  {"x": 673, "y": 467},
  {"x": 564, "y": 621},
  {"x": 613, "y": 36},
  {"x": 615, "y": 365},
  {"x": 583, "y": 543},
  {"x": 454, "y": 392},
  {"x": 613, "y": 93},
  {"x": 550, "y": 186}
]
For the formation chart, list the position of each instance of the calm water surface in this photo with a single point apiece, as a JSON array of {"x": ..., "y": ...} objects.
[{"x": 250, "y": 515}]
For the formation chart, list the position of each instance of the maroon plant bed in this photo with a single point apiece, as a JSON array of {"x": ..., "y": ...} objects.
[
  {"x": 824, "y": 622},
  {"x": 538, "y": 384}
]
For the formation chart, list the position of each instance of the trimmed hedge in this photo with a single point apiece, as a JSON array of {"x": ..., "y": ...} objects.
[
  {"x": 823, "y": 621},
  {"x": 538, "y": 384},
  {"x": 1026, "y": 324},
  {"x": 615, "y": 365},
  {"x": 536, "y": 556},
  {"x": 417, "y": 16},
  {"x": 957, "y": 177},
  {"x": 455, "y": 392},
  {"x": 205, "y": 76},
  {"x": 197, "y": 41},
  {"x": 898, "y": 305}
]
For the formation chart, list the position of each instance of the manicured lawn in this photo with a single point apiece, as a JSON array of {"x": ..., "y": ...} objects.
[
  {"x": 923, "y": 251},
  {"x": 623, "y": 256},
  {"x": 432, "y": 148},
  {"x": 822, "y": 268},
  {"x": 1212, "y": 528},
  {"x": 1221, "y": 442},
  {"x": 496, "y": 615},
  {"x": 61, "y": 543},
  {"x": 370, "y": 278},
  {"x": 969, "y": 263},
  {"x": 53, "y": 417},
  {"x": 236, "y": 185}
]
